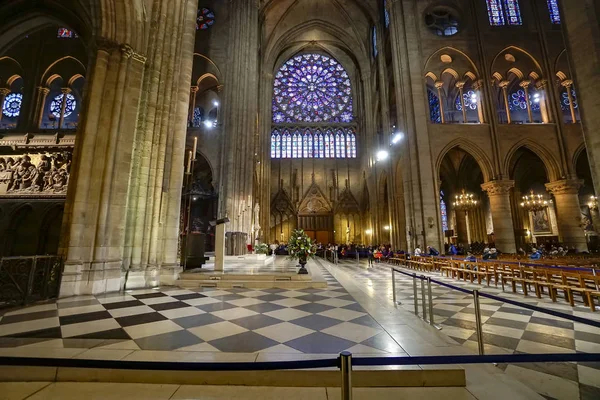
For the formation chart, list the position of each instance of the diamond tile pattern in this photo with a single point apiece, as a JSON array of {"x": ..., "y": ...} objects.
[{"x": 325, "y": 320}]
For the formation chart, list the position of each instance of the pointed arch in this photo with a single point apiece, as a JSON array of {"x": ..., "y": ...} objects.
[
  {"x": 474, "y": 151},
  {"x": 553, "y": 170}
]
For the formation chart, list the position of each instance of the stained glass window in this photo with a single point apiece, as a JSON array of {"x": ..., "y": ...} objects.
[
  {"x": 444, "y": 212},
  {"x": 277, "y": 145},
  {"x": 197, "y": 117},
  {"x": 296, "y": 145},
  {"x": 312, "y": 88},
  {"x": 351, "y": 145},
  {"x": 307, "y": 144},
  {"x": 286, "y": 145},
  {"x": 564, "y": 100},
  {"x": 329, "y": 145},
  {"x": 434, "y": 108},
  {"x": 56, "y": 105},
  {"x": 469, "y": 100},
  {"x": 12, "y": 105},
  {"x": 495, "y": 12},
  {"x": 205, "y": 19},
  {"x": 64, "y": 33},
  {"x": 340, "y": 144},
  {"x": 374, "y": 42},
  {"x": 554, "y": 11},
  {"x": 513, "y": 12},
  {"x": 504, "y": 12},
  {"x": 518, "y": 101},
  {"x": 386, "y": 14},
  {"x": 319, "y": 145}
]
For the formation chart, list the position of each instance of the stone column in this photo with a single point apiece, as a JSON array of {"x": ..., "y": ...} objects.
[
  {"x": 193, "y": 95},
  {"x": 240, "y": 108},
  {"x": 504, "y": 232},
  {"x": 542, "y": 87},
  {"x": 41, "y": 104},
  {"x": 504, "y": 86},
  {"x": 581, "y": 29},
  {"x": 63, "y": 106},
  {"x": 439, "y": 85},
  {"x": 462, "y": 231},
  {"x": 525, "y": 86},
  {"x": 568, "y": 84},
  {"x": 478, "y": 86},
  {"x": 461, "y": 85},
  {"x": 568, "y": 212},
  {"x": 3, "y": 93}
]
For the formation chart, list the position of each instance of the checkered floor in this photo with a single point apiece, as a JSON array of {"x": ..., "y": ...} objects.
[
  {"x": 507, "y": 329},
  {"x": 323, "y": 321}
]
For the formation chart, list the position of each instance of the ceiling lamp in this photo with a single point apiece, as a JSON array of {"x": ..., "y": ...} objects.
[
  {"x": 535, "y": 202},
  {"x": 465, "y": 201}
]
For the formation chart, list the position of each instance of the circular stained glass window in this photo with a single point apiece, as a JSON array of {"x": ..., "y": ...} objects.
[
  {"x": 312, "y": 88},
  {"x": 205, "y": 19},
  {"x": 12, "y": 105},
  {"x": 56, "y": 105},
  {"x": 442, "y": 21},
  {"x": 469, "y": 100}
]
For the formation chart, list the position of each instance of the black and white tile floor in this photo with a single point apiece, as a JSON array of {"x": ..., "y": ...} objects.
[
  {"x": 507, "y": 329},
  {"x": 237, "y": 320}
]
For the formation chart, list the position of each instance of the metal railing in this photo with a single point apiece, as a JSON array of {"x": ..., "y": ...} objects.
[
  {"x": 28, "y": 279},
  {"x": 476, "y": 303},
  {"x": 345, "y": 362}
]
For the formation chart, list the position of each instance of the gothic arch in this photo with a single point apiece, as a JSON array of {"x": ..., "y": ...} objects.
[
  {"x": 553, "y": 170},
  {"x": 51, "y": 72},
  {"x": 527, "y": 65},
  {"x": 472, "y": 149}
]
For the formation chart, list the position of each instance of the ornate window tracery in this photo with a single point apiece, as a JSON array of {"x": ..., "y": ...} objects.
[
  {"x": 504, "y": 12},
  {"x": 315, "y": 90},
  {"x": 56, "y": 105},
  {"x": 12, "y": 105},
  {"x": 554, "y": 11}
]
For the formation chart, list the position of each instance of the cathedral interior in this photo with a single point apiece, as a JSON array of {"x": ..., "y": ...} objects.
[{"x": 127, "y": 126}]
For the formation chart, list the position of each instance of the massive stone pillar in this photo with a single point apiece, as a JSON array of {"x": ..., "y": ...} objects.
[
  {"x": 504, "y": 232},
  {"x": 240, "y": 119},
  {"x": 420, "y": 188},
  {"x": 462, "y": 233},
  {"x": 581, "y": 25},
  {"x": 122, "y": 209},
  {"x": 568, "y": 213}
]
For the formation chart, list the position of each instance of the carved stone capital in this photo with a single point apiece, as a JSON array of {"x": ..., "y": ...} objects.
[
  {"x": 564, "y": 186},
  {"x": 139, "y": 57},
  {"x": 43, "y": 90},
  {"x": 541, "y": 83},
  {"x": 439, "y": 84},
  {"x": 504, "y": 84},
  {"x": 106, "y": 45},
  {"x": 496, "y": 188},
  {"x": 478, "y": 85},
  {"x": 567, "y": 83},
  {"x": 127, "y": 50},
  {"x": 66, "y": 90},
  {"x": 4, "y": 91},
  {"x": 460, "y": 84},
  {"x": 525, "y": 84},
  {"x": 194, "y": 89}
]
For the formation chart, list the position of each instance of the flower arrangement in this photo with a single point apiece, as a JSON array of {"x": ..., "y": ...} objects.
[
  {"x": 262, "y": 248},
  {"x": 300, "y": 246}
]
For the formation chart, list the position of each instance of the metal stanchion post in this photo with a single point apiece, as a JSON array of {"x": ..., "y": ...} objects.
[
  {"x": 357, "y": 258},
  {"x": 478, "y": 322},
  {"x": 346, "y": 368},
  {"x": 424, "y": 306},
  {"x": 431, "y": 305},
  {"x": 394, "y": 287},
  {"x": 416, "y": 295}
]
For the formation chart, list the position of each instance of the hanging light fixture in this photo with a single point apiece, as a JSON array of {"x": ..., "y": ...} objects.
[
  {"x": 535, "y": 202},
  {"x": 593, "y": 203},
  {"x": 465, "y": 201}
]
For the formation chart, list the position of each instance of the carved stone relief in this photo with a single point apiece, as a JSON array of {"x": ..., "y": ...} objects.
[{"x": 35, "y": 174}]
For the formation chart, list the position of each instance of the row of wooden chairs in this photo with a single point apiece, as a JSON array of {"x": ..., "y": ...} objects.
[{"x": 539, "y": 280}]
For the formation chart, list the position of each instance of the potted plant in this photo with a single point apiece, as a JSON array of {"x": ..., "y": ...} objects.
[
  {"x": 301, "y": 247},
  {"x": 262, "y": 248}
]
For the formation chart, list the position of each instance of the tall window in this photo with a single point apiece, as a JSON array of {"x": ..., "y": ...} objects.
[
  {"x": 504, "y": 12},
  {"x": 312, "y": 100},
  {"x": 443, "y": 212},
  {"x": 435, "y": 115},
  {"x": 554, "y": 12},
  {"x": 386, "y": 14},
  {"x": 374, "y": 42}
]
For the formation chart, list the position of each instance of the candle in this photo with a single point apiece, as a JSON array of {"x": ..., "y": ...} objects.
[
  {"x": 189, "y": 164},
  {"x": 195, "y": 146}
]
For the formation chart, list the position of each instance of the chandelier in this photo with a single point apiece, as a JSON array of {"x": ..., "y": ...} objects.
[
  {"x": 464, "y": 202},
  {"x": 593, "y": 203},
  {"x": 534, "y": 202}
]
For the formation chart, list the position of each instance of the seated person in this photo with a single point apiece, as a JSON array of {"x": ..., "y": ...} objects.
[
  {"x": 418, "y": 251},
  {"x": 493, "y": 254},
  {"x": 432, "y": 251},
  {"x": 486, "y": 253},
  {"x": 453, "y": 250},
  {"x": 471, "y": 257},
  {"x": 536, "y": 255}
]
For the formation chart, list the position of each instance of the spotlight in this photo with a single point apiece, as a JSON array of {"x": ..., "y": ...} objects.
[
  {"x": 397, "y": 137},
  {"x": 387, "y": 227},
  {"x": 368, "y": 231},
  {"x": 208, "y": 124},
  {"x": 216, "y": 103},
  {"x": 382, "y": 155}
]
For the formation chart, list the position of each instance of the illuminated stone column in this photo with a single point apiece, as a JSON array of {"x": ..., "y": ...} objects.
[
  {"x": 504, "y": 86},
  {"x": 462, "y": 231},
  {"x": 439, "y": 85},
  {"x": 478, "y": 86},
  {"x": 568, "y": 212},
  {"x": 525, "y": 86},
  {"x": 461, "y": 86},
  {"x": 568, "y": 85},
  {"x": 499, "y": 195},
  {"x": 3, "y": 93},
  {"x": 42, "y": 95},
  {"x": 542, "y": 86},
  {"x": 65, "y": 92}
]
